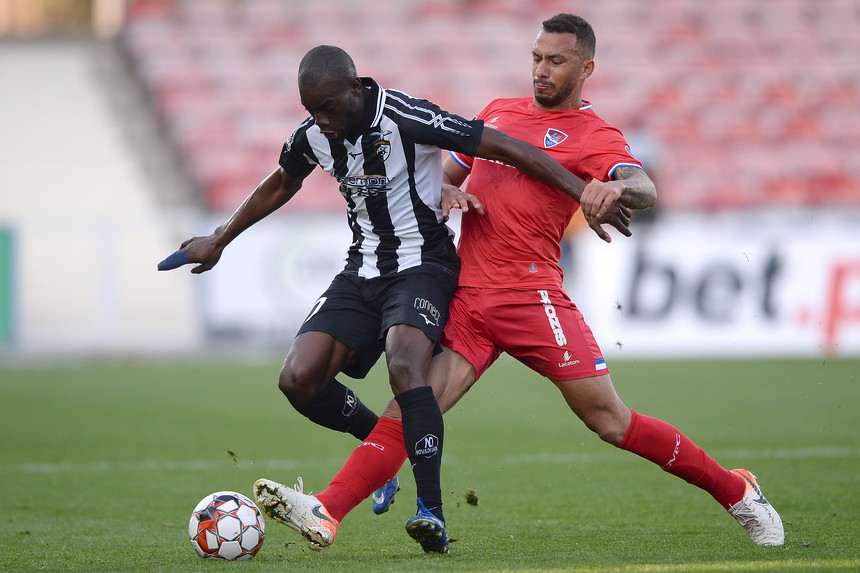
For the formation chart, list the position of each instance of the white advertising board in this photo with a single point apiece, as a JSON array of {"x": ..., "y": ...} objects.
[
  {"x": 268, "y": 279},
  {"x": 734, "y": 285}
]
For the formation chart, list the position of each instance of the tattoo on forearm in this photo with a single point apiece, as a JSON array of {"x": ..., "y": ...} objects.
[{"x": 639, "y": 191}]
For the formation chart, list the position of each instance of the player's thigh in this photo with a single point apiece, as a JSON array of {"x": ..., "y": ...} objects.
[
  {"x": 452, "y": 372},
  {"x": 408, "y": 351},
  {"x": 595, "y": 401},
  {"x": 589, "y": 395},
  {"x": 343, "y": 314},
  {"x": 316, "y": 356},
  {"x": 450, "y": 375}
]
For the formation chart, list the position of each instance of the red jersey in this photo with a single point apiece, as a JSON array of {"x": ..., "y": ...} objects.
[{"x": 516, "y": 243}]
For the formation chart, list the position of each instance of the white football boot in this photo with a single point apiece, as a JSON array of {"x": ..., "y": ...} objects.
[
  {"x": 756, "y": 515},
  {"x": 297, "y": 510}
]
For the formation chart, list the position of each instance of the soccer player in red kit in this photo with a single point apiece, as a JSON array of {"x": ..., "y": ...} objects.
[{"x": 511, "y": 299}]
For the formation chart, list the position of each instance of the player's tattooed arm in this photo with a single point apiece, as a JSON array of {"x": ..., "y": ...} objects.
[
  {"x": 610, "y": 202},
  {"x": 639, "y": 191}
]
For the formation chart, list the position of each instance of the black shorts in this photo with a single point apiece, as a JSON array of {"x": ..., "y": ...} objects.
[{"x": 358, "y": 312}]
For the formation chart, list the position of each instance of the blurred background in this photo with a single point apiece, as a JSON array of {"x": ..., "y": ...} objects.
[{"x": 129, "y": 126}]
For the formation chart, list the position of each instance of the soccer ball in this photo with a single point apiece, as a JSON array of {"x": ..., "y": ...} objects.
[{"x": 226, "y": 525}]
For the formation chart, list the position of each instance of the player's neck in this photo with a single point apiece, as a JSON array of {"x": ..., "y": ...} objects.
[{"x": 566, "y": 105}]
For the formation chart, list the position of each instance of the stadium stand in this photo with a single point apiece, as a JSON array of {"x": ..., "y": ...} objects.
[
  {"x": 747, "y": 104},
  {"x": 77, "y": 206}
]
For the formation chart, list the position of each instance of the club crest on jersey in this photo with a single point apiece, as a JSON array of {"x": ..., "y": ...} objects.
[
  {"x": 553, "y": 137},
  {"x": 383, "y": 149}
]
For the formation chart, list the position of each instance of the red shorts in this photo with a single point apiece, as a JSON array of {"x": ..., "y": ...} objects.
[{"x": 543, "y": 329}]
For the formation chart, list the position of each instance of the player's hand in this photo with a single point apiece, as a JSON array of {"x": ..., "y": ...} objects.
[
  {"x": 618, "y": 218},
  {"x": 600, "y": 197},
  {"x": 454, "y": 198},
  {"x": 204, "y": 250},
  {"x": 600, "y": 205}
]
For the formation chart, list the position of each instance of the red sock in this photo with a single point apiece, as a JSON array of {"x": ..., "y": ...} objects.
[
  {"x": 666, "y": 446},
  {"x": 370, "y": 466}
]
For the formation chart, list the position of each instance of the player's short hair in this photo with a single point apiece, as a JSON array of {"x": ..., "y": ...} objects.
[
  {"x": 572, "y": 24},
  {"x": 326, "y": 62}
]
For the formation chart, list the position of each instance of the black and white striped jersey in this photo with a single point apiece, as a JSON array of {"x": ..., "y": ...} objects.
[{"x": 390, "y": 173}]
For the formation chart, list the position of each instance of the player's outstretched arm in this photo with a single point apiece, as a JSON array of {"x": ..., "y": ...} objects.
[{"x": 271, "y": 194}]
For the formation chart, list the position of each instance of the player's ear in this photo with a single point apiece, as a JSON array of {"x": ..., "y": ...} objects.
[{"x": 587, "y": 69}]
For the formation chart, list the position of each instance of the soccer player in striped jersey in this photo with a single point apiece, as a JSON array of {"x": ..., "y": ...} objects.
[
  {"x": 510, "y": 296},
  {"x": 392, "y": 296}
]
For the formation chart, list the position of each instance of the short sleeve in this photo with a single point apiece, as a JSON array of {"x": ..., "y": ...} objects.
[
  {"x": 428, "y": 124},
  {"x": 297, "y": 156},
  {"x": 467, "y": 160},
  {"x": 605, "y": 151},
  {"x": 464, "y": 161}
]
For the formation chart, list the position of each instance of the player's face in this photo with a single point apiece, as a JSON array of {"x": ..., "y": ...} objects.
[
  {"x": 559, "y": 69},
  {"x": 336, "y": 107}
]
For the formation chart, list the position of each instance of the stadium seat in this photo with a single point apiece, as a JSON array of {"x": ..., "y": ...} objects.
[{"x": 705, "y": 80}]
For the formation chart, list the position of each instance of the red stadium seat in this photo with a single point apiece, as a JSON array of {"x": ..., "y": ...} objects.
[{"x": 716, "y": 85}]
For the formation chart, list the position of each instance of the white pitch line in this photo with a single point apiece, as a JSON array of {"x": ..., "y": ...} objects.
[
  {"x": 160, "y": 466},
  {"x": 728, "y": 565},
  {"x": 281, "y": 464},
  {"x": 746, "y": 454}
]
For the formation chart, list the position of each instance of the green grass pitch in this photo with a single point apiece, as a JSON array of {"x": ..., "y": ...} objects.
[{"x": 100, "y": 466}]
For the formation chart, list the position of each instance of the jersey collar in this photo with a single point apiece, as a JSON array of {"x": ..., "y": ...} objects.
[
  {"x": 374, "y": 98},
  {"x": 586, "y": 106}
]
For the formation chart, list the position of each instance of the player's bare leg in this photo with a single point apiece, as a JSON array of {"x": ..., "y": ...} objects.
[
  {"x": 450, "y": 375},
  {"x": 308, "y": 381},
  {"x": 597, "y": 404},
  {"x": 314, "y": 359},
  {"x": 595, "y": 401}
]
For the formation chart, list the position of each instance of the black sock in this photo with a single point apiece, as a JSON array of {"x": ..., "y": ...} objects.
[
  {"x": 338, "y": 408},
  {"x": 423, "y": 431}
]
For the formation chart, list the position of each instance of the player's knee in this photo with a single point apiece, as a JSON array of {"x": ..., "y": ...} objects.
[
  {"x": 612, "y": 434},
  {"x": 609, "y": 428},
  {"x": 403, "y": 374},
  {"x": 298, "y": 384}
]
